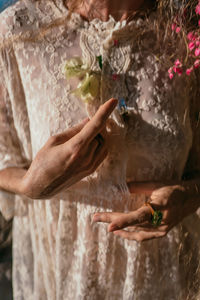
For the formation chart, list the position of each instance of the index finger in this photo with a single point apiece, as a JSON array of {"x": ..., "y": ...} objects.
[
  {"x": 97, "y": 123},
  {"x": 121, "y": 220}
]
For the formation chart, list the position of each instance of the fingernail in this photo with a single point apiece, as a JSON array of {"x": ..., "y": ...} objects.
[
  {"x": 96, "y": 218},
  {"x": 115, "y": 101}
]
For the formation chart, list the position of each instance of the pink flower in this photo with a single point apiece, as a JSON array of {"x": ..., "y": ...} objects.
[
  {"x": 188, "y": 71},
  {"x": 197, "y": 10},
  {"x": 170, "y": 70},
  {"x": 173, "y": 26},
  {"x": 197, "y": 43},
  {"x": 178, "y": 70},
  {"x": 191, "y": 46},
  {"x": 191, "y": 36},
  {"x": 178, "y": 63},
  {"x": 197, "y": 63},
  {"x": 197, "y": 52}
]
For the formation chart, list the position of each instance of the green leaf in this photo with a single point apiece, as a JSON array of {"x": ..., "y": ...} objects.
[{"x": 100, "y": 60}]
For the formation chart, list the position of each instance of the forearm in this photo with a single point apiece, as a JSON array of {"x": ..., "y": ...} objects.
[{"x": 11, "y": 180}]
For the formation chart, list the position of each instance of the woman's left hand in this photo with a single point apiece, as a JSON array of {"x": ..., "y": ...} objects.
[{"x": 173, "y": 201}]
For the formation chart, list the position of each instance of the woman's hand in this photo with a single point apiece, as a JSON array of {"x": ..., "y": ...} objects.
[
  {"x": 69, "y": 156},
  {"x": 174, "y": 201}
]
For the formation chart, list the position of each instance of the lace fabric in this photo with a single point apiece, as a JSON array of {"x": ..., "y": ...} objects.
[{"x": 58, "y": 253}]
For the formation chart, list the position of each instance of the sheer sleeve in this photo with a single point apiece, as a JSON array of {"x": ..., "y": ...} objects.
[{"x": 15, "y": 150}]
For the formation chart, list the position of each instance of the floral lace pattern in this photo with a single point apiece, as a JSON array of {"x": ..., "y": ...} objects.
[{"x": 58, "y": 253}]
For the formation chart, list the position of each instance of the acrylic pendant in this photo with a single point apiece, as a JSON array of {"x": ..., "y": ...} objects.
[
  {"x": 156, "y": 218},
  {"x": 122, "y": 107}
]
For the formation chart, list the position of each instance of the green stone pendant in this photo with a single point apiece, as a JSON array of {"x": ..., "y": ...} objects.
[{"x": 156, "y": 218}]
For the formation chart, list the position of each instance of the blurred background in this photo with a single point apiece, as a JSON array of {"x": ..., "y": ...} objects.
[{"x": 5, "y": 259}]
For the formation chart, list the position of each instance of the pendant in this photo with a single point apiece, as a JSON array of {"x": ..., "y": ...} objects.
[{"x": 122, "y": 107}]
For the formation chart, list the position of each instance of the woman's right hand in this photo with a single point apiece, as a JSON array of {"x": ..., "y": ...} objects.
[{"x": 68, "y": 157}]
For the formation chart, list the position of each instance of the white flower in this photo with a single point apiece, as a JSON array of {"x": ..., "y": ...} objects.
[
  {"x": 75, "y": 67},
  {"x": 88, "y": 88}
]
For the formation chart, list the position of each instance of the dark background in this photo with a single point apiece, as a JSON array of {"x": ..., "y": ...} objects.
[{"x": 5, "y": 259}]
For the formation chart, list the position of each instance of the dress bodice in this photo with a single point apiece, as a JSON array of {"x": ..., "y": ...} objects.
[{"x": 154, "y": 142}]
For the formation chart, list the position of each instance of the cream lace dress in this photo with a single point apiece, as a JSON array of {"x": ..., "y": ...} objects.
[{"x": 58, "y": 253}]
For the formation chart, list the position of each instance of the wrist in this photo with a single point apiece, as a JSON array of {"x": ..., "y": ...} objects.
[
  {"x": 22, "y": 187},
  {"x": 25, "y": 187},
  {"x": 21, "y": 184}
]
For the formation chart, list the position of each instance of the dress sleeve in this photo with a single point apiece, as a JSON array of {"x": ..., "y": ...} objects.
[{"x": 14, "y": 130}]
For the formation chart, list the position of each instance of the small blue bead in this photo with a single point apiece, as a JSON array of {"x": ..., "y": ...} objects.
[
  {"x": 122, "y": 107},
  {"x": 6, "y": 3}
]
